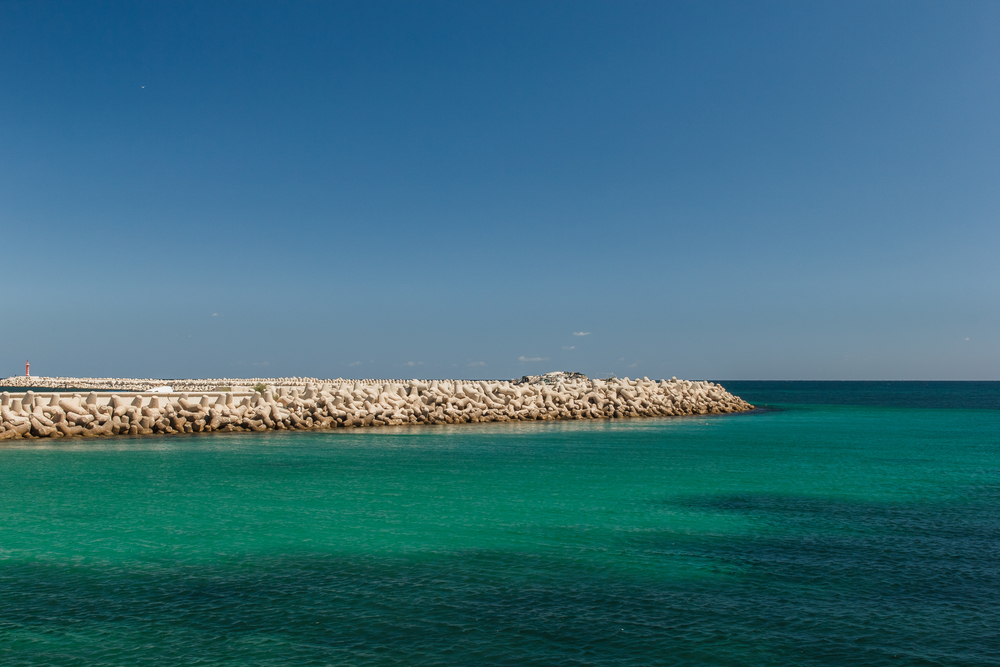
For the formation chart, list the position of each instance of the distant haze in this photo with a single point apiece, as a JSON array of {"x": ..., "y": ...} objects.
[{"x": 486, "y": 190}]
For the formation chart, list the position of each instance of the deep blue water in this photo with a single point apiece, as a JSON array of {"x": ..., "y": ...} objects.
[{"x": 875, "y": 393}]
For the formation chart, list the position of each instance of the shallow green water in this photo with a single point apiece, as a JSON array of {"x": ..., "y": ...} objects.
[{"x": 813, "y": 535}]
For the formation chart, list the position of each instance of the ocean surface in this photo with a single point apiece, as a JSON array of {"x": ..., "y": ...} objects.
[{"x": 840, "y": 524}]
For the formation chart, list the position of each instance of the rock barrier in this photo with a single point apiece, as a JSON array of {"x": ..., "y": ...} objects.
[{"x": 357, "y": 403}]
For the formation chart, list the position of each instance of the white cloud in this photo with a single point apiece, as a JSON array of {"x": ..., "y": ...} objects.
[
  {"x": 581, "y": 333},
  {"x": 523, "y": 358},
  {"x": 355, "y": 363},
  {"x": 571, "y": 347},
  {"x": 478, "y": 363},
  {"x": 216, "y": 315},
  {"x": 414, "y": 363}
]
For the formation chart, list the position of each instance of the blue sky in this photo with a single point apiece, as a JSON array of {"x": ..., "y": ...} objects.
[{"x": 708, "y": 190}]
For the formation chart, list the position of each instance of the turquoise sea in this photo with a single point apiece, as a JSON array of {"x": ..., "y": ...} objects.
[{"x": 840, "y": 524}]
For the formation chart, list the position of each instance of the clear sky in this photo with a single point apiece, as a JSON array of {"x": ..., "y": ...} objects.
[{"x": 763, "y": 190}]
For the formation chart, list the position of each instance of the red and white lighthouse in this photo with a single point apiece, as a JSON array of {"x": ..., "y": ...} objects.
[{"x": 27, "y": 369}]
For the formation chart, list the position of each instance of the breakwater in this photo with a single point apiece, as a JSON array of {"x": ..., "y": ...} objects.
[{"x": 355, "y": 403}]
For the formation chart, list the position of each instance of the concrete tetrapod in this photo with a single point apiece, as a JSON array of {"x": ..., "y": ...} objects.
[{"x": 346, "y": 404}]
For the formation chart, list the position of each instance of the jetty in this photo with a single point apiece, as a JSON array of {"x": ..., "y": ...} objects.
[{"x": 116, "y": 407}]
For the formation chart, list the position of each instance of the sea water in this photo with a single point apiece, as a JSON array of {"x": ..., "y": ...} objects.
[{"x": 840, "y": 524}]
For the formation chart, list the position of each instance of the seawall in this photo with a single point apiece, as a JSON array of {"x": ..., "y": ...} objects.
[{"x": 355, "y": 403}]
